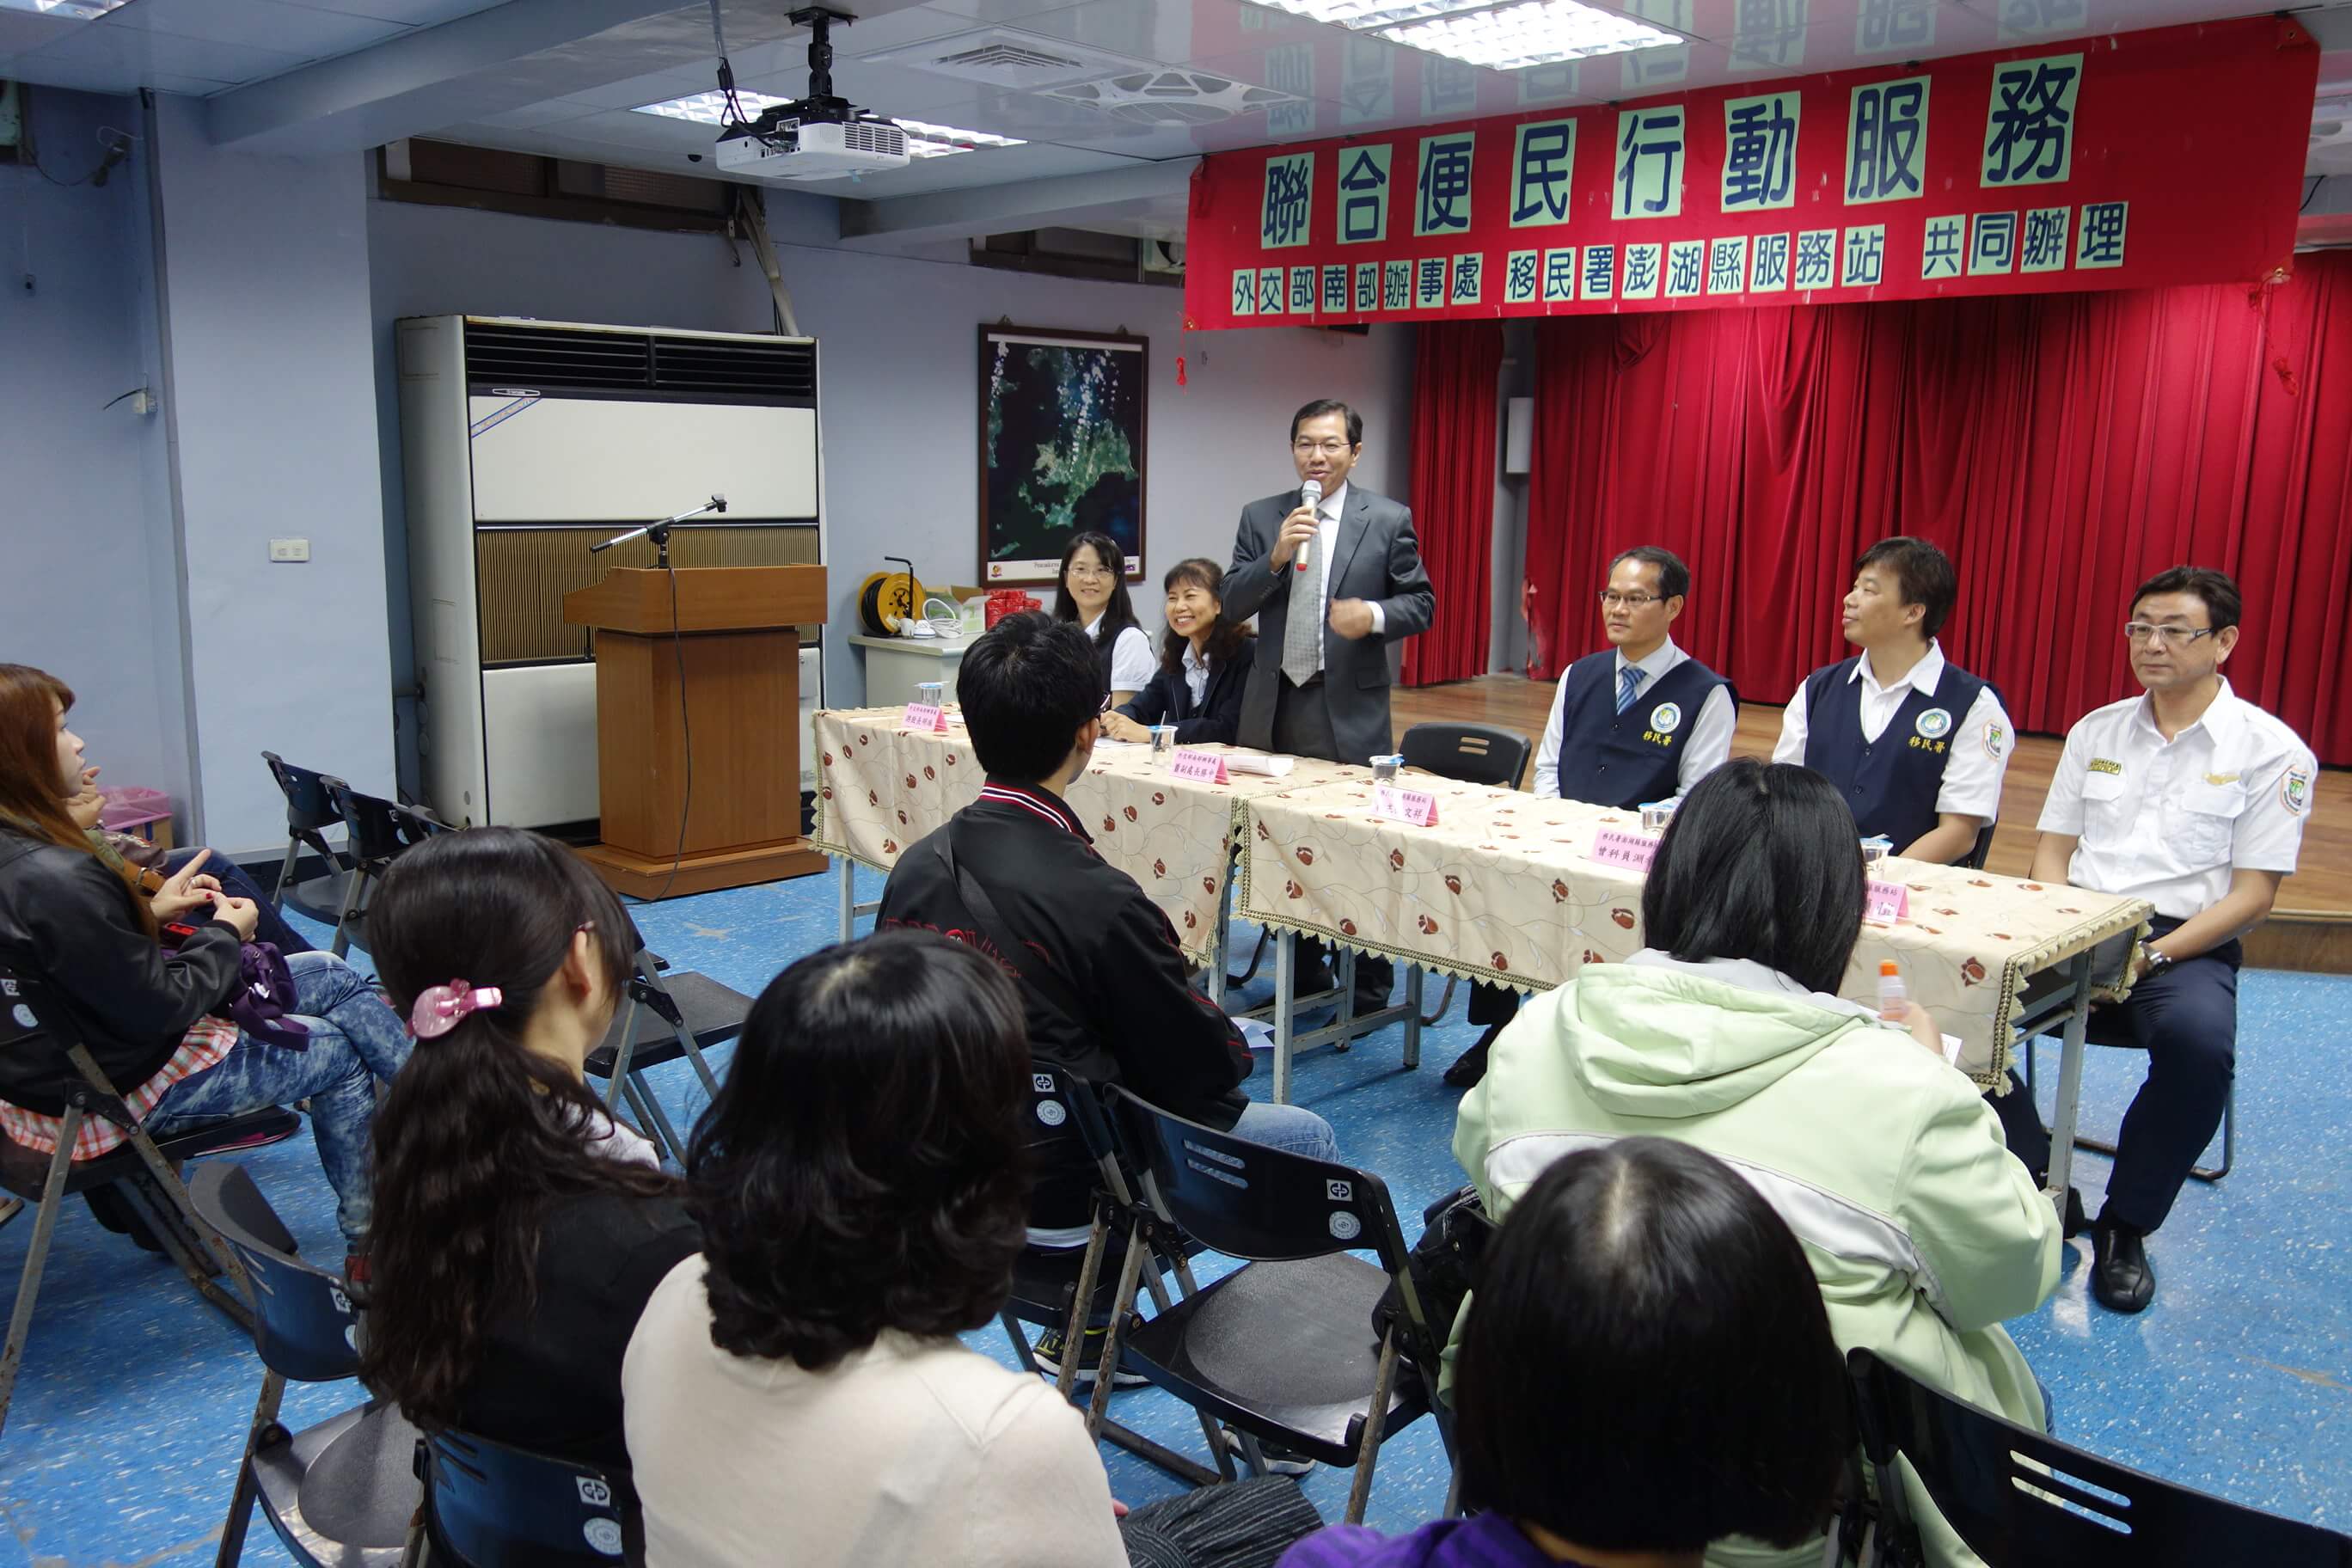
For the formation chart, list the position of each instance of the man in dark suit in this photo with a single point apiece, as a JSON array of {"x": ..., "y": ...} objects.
[{"x": 1318, "y": 686}]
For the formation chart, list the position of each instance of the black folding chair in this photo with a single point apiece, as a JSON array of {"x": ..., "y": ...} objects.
[
  {"x": 1282, "y": 1349},
  {"x": 309, "y": 811},
  {"x": 140, "y": 1171},
  {"x": 2023, "y": 1499},
  {"x": 1074, "y": 1290},
  {"x": 1473, "y": 753},
  {"x": 380, "y": 832},
  {"x": 491, "y": 1506},
  {"x": 668, "y": 1017},
  {"x": 341, "y": 1494}
]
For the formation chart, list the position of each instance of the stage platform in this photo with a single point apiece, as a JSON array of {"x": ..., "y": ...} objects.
[{"x": 2311, "y": 930}]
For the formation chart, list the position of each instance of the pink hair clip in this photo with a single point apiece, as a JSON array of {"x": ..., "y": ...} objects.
[{"x": 440, "y": 1007}]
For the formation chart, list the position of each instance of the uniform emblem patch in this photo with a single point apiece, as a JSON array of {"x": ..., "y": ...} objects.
[
  {"x": 2294, "y": 791},
  {"x": 1996, "y": 740},
  {"x": 1665, "y": 718},
  {"x": 1935, "y": 723}
]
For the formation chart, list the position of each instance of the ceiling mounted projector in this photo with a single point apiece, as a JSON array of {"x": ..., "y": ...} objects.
[{"x": 821, "y": 137}]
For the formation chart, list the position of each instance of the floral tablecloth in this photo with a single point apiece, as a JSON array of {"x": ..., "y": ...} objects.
[
  {"x": 1504, "y": 888},
  {"x": 881, "y": 788}
]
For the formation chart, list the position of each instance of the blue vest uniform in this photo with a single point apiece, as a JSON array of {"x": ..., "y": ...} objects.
[
  {"x": 1892, "y": 782},
  {"x": 1623, "y": 760}
]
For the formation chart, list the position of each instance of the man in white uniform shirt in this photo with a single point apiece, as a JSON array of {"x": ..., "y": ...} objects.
[{"x": 2195, "y": 800}]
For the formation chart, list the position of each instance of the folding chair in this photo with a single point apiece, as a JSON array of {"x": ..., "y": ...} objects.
[
  {"x": 341, "y": 1494},
  {"x": 2101, "y": 1032},
  {"x": 380, "y": 832},
  {"x": 309, "y": 810},
  {"x": 491, "y": 1506},
  {"x": 1067, "y": 1288},
  {"x": 140, "y": 1171},
  {"x": 2023, "y": 1499},
  {"x": 1282, "y": 1349},
  {"x": 1473, "y": 753},
  {"x": 682, "y": 1015}
]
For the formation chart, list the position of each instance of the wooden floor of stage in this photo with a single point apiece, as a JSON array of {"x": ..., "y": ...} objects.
[{"x": 2310, "y": 929}]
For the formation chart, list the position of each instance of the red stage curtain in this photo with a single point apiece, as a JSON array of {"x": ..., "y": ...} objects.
[
  {"x": 1455, "y": 454},
  {"x": 2060, "y": 447}
]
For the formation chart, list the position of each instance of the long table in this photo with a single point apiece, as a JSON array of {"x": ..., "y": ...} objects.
[{"x": 1504, "y": 888}]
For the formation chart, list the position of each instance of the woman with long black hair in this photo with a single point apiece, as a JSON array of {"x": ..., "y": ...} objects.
[
  {"x": 1093, "y": 594},
  {"x": 521, "y": 1228}
]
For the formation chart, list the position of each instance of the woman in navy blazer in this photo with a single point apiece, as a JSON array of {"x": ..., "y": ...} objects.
[{"x": 1202, "y": 651}]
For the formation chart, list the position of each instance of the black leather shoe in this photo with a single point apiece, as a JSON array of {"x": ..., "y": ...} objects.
[
  {"x": 2120, "y": 1276},
  {"x": 1471, "y": 1066}
]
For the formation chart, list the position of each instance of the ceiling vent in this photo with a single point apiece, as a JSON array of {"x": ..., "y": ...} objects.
[
  {"x": 1001, "y": 57},
  {"x": 1173, "y": 97}
]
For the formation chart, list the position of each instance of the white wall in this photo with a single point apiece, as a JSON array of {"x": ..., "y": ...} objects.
[
  {"x": 272, "y": 405},
  {"x": 88, "y": 553},
  {"x": 901, "y": 357}
]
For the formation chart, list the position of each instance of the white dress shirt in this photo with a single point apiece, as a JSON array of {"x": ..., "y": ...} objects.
[
  {"x": 1196, "y": 675},
  {"x": 1131, "y": 663},
  {"x": 1708, "y": 748},
  {"x": 2170, "y": 821},
  {"x": 1328, "y": 513},
  {"x": 1980, "y": 744}
]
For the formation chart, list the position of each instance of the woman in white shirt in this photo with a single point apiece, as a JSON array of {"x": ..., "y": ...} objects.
[
  {"x": 1094, "y": 594},
  {"x": 796, "y": 1393}
]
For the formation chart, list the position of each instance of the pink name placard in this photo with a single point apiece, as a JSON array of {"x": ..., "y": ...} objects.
[
  {"x": 1630, "y": 851},
  {"x": 1886, "y": 902},
  {"x": 924, "y": 718},
  {"x": 1201, "y": 767},
  {"x": 1413, "y": 806}
]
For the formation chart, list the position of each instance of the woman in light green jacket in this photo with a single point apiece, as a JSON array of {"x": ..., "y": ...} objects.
[{"x": 1727, "y": 1031}]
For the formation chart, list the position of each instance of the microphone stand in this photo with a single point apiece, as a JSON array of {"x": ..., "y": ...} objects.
[{"x": 659, "y": 531}]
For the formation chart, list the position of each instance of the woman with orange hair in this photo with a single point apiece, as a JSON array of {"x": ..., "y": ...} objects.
[{"x": 148, "y": 982}]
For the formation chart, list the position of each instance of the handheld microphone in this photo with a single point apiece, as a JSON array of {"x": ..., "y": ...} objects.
[{"x": 1310, "y": 496}]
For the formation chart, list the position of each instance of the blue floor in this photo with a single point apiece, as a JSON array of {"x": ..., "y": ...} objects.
[{"x": 131, "y": 1409}]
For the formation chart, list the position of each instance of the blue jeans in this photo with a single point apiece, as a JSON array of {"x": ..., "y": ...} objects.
[
  {"x": 355, "y": 1040},
  {"x": 1291, "y": 1127}
]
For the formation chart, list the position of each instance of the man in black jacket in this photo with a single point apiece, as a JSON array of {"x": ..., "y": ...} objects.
[{"x": 1101, "y": 977}]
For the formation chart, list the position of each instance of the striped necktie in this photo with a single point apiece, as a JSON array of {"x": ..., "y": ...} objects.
[{"x": 1629, "y": 680}]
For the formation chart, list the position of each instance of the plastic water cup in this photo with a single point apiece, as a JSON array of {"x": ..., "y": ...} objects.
[
  {"x": 1163, "y": 746},
  {"x": 1656, "y": 814},
  {"x": 1873, "y": 850},
  {"x": 1385, "y": 769},
  {"x": 932, "y": 693}
]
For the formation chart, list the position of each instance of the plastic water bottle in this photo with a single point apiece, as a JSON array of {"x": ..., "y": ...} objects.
[{"x": 1890, "y": 991}]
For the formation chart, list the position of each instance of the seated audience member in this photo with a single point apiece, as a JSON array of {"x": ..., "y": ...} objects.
[
  {"x": 1101, "y": 975},
  {"x": 1728, "y": 1032},
  {"x": 158, "y": 1020},
  {"x": 863, "y": 1187},
  {"x": 148, "y": 868},
  {"x": 522, "y": 1227},
  {"x": 1203, "y": 667},
  {"x": 1093, "y": 597},
  {"x": 1915, "y": 745},
  {"x": 2193, "y": 798},
  {"x": 1646, "y": 1285}
]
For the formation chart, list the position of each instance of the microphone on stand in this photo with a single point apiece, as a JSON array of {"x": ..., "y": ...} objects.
[
  {"x": 1310, "y": 496},
  {"x": 659, "y": 531}
]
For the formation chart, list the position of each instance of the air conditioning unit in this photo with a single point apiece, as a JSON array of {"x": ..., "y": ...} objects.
[
  {"x": 525, "y": 442},
  {"x": 802, "y": 150}
]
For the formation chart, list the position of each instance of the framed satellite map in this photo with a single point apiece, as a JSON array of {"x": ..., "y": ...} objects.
[{"x": 1061, "y": 447}]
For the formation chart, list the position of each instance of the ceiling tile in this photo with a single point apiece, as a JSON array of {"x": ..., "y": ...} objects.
[
  {"x": 141, "y": 53},
  {"x": 408, "y": 13},
  {"x": 25, "y": 30},
  {"x": 256, "y": 24}
]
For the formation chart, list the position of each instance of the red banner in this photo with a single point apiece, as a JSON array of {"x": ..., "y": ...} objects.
[{"x": 2126, "y": 161}]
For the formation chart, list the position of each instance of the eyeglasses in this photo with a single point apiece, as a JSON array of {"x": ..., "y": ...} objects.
[
  {"x": 1611, "y": 599},
  {"x": 2137, "y": 633},
  {"x": 1091, "y": 573},
  {"x": 1329, "y": 449}
]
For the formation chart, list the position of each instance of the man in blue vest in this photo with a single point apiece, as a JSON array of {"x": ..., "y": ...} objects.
[
  {"x": 1916, "y": 745},
  {"x": 1638, "y": 722}
]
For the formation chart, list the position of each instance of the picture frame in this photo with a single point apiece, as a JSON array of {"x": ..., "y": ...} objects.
[{"x": 1062, "y": 425}]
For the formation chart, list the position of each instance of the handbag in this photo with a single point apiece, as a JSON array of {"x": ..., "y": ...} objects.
[{"x": 263, "y": 1001}]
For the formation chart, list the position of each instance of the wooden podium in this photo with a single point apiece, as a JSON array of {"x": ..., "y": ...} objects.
[{"x": 739, "y": 644}]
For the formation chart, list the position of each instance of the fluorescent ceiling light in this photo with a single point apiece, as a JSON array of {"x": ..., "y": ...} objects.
[
  {"x": 74, "y": 10},
  {"x": 1532, "y": 33},
  {"x": 923, "y": 140}
]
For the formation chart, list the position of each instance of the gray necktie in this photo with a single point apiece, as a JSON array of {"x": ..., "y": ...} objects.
[{"x": 1302, "y": 634}]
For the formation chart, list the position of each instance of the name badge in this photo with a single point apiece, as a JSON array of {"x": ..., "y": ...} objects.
[
  {"x": 1417, "y": 808},
  {"x": 1202, "y": 767},
  {"x": 1629, "y": 851},
  {"x": 1886, "y": 902},
  {"x": 924, "y": 718}
]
